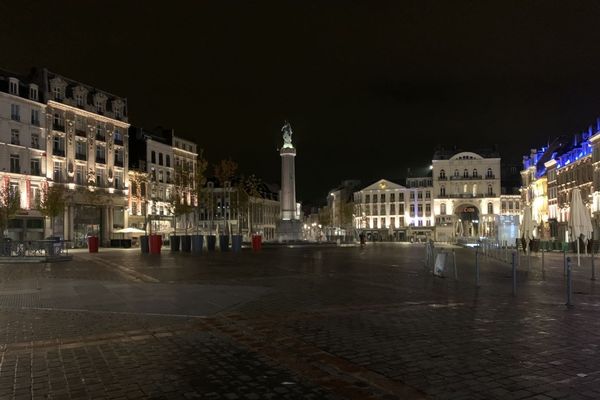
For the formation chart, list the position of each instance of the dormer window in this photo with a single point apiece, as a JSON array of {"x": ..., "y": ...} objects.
[
  {"x": 79, "y": 99},
  {"x": 33, "y": 92},
  {"x": 58, "y": 93},
  {"x": 99, "y": 107},
  {"x": 100, "y": 102},
  {"x": 13, "y": 86}
]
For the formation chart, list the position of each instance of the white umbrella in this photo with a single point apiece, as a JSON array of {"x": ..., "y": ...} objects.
[
  {"x": 580, "y": 222},
  {"x": 130, "y": 230},
  {"x": 527, "y": 225}
]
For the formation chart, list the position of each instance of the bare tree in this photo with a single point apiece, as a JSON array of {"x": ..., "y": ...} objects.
[
  {"x": 52, "y": 202},
  {"x": 224, "y": 171},
  {"x": 10, "y": 203}
]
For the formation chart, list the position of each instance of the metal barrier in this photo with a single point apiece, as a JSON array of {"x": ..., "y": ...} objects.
[{"x": 34, "y": 248}]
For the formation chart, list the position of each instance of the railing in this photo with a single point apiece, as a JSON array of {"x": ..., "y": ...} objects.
[
  {"x": 34, "y": 248},
  {"x": 100, "y": 160},
  {"x": 58, "y": 127},
  {"x": 80, "y": 132},
  {"x": 465, "y": 196},
  {"x": 119, "y": 142},
  {"x": 58, "y": 152},
  {"x": 81, "y": 156},
  {"x": 102, "y": 138},
  {"x": 465, "y": 178}
]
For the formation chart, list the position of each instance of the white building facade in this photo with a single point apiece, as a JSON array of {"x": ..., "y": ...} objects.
[
  {"x": 23, "y": 152},
  {"x": 466, "y": 190}
]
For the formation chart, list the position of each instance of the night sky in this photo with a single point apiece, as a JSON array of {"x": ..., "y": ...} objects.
[{"x": 370, "y": 88}]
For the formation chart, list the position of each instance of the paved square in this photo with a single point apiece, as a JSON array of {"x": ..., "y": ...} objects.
[{"x": 301, "y": 323}]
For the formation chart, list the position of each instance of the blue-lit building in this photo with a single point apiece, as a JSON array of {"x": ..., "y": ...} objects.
[{"x": 550, "y": 174}]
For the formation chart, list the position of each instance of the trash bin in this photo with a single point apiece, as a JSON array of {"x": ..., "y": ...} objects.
[
  {"x": 186, "y": 243},
  {"x": 224, "y": 242},
  {"x": 211, "y": 242},
  {"x": 175, "y": 240},
  {"x": 256, "y": 242},
  {"x": 155, "y": 244},
  {"x": 144, "y": 244},
  {"x": 197, "y": 243},
  {"x": 92, "y": 244},
  {"x": 236, "y": 243}
]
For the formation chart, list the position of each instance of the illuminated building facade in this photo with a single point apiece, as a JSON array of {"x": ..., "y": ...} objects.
[
  {"x": 466, "y": 192},
  {"x": 389, "y": 211},
  {"x": 23, "y": 151},
  {"x": 87, "y": 150},
  {"x": 549, "y": 176}
]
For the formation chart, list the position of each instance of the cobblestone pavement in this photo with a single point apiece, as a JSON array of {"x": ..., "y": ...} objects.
[{"x": 304, "y": 322}]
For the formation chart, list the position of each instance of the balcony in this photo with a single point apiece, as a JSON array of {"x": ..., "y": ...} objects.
[
  {"x": 58, "y": 127},
  {"x": 466, "y": 178},
  {"x": 80, "y": 132},
  {"x": 466, "y": 196},
  {"x": 102, "y": 138},
  {"x": 100, "y": 160},
  {"x": 443, "y": 178},
  {"x": 81, "y": 156},
  {"x": 119, "y": 142},
  {"x": 58, "y": 152}
]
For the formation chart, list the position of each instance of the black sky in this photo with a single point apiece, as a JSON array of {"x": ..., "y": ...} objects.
[{"x": 370, "y": 88}]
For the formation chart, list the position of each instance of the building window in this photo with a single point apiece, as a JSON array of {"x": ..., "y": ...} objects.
[
  {"x": 442, "y": 174},
  {"x": 15, "y": 166},
  {"x": 443, "y": 208},
  {"x": 58, "y": 124},
  {"x": 443, "y": 191},
  {"x": 490, "y": 208},
  {"x": 167, "y": 160},
  {"x": 33, "y": 93},
  {"x": 118, "y": 180},
  {"x": 401, "y": 208},
  {"x": 392, "y": 197},
  {"x": 79, "y": 123},
  {"x": 489, "y": 173},
  {"x": 35, "y": 141},
  {"x": 428, "y": 208},
  {"x": 160, "y": 175},
  {"x": 490, "y": 190},
  {"x": 168, "y": 176},
  {"x": 412, "y": 209},
  {"x": 474, "y": 173},
  {"x": 420, "y": 195},
  {"x": 367, "y": 198},
  {"x": 99, "y": 177},
  {"x": 393, "y": 222},
  {"x": 400, "y": 196},
  {"x": 382, "y": 197},
  {"x": 80, "y": 150},
  {"x": 15, "y": 112},
  {"x": 35, "y": 117},
  {"x": 57, "y": 91},
  {"x": 14, "y": 137},
  {"x": 465, "y": 173},
  {"x": 516, "y": 205},
  {"x": 13, "y": 86},
  {"x": 160, "y": 158},
  {"x": 392, "y": 209},
  {"x": 153, "y": 157},
  {"x": 420, "y": 209},
  {"x": 118, "y": 137},
  {"x": 35, "y": 167},
  {"x": 100, "y": 154},
  {"x": 79, "y": 99},
  {"x": 79, "y": 174},
  {"x": 456, "y": 173},
  {"x": 412, "y": 195},
  {"x": 382, "y": 209}
]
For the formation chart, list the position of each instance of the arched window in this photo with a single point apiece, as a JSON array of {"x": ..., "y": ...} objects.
[
  {"x": 443, "y": 191},
  {"x": 465, "y": 173},
  {"x": 456, "y": 173},
  {"x": 490, "y": 208},
  {"x": 474, "y": 172},
  {"x": 490, "y": 190},
  {"x": 442, "y": 174},
  {"x": 489, "y": 173},
  {"x": 443, "y": 208},
  {"x": 153, "y": 157}
]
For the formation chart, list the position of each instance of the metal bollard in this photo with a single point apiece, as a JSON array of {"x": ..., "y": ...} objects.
[
  {"x": 454, "y": 263},
  {"x": 569, "y": 283},
  {"x": 477, "y": 267},
  {"x": 514, "y": 275},
  {"x": 543, "y": 269},
  {"x": 593, "y": 267}
]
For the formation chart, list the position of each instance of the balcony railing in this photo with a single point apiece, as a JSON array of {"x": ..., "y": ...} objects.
[
  {"x": 81, "y": 156},
  {"x": 118, "y": 163},
  {"x": 58, "y": 127},
  {"x": 465, "y": 178},
  {"x": 80, "y": 132},
  {"x": 58, "y": 152},
  {"x": 119, "y": 142},
  {"x": 101, "y": 137},
  {"x": 465, "y": 196},
  {"x": 100, "y": 160}
]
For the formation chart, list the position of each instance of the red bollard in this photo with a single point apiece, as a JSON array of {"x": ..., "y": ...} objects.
[{"x": 93, "y": 244}]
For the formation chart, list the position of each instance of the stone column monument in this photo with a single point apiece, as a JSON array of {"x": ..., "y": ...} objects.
[{"x": 289, "y": 227}]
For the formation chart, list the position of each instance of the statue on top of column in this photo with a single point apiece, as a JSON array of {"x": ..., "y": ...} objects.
[{"x": 287, "y": 135}]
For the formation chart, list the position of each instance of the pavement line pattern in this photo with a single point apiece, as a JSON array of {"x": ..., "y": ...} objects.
[{"x": 134, "y": 275}]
